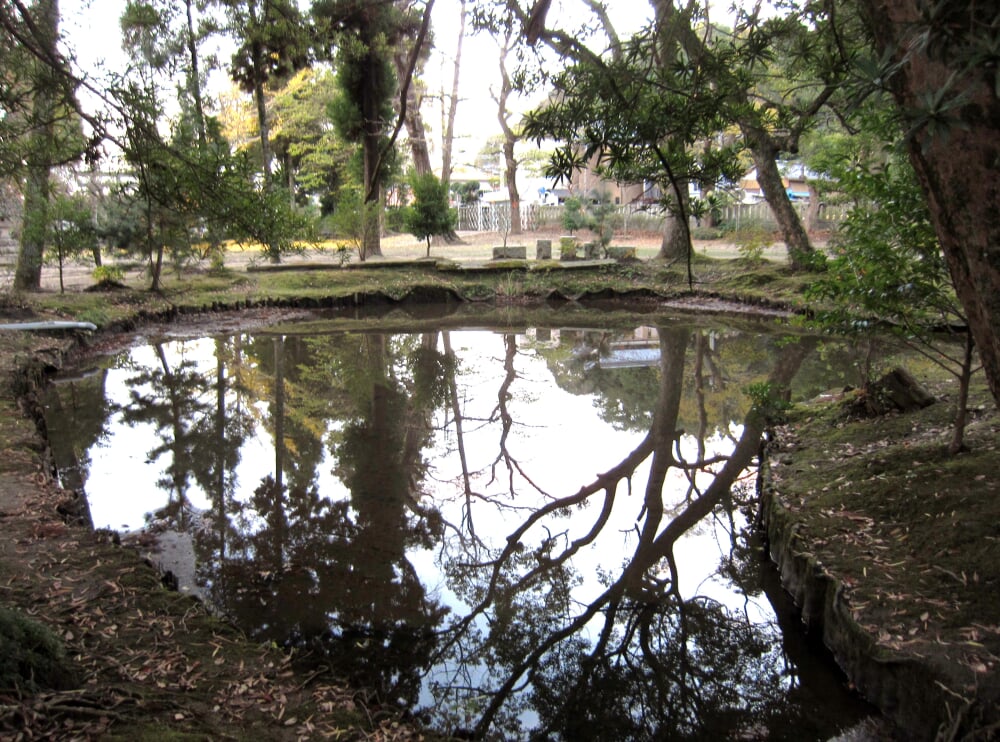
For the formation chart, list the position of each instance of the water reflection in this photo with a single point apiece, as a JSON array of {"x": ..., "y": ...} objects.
[{"x": 522, "y": 534}]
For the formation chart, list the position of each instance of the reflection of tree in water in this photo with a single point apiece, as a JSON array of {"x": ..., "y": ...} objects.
[
  {"x": 296, "y": 567},
  {"x": 334, "y": 575},
  {"x": 176, "y": 405},
  {"x": 668, "y": 670},
  {"x": 76, "y": 416},
  {"x": 639, "y": 624}
]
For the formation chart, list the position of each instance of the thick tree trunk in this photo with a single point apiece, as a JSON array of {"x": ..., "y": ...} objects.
[
  {"x": 194, "y": 81},
  {"x": 416, "y": 132},
  {"x": 35, "y": 222},
  {"x": 769, "y": 178},
  {"x": 261, "y": 103},
  {"x": 675, "y": 244},
  {"x": 28, "y": 273},
  {"x": 957, "y": 158},
  {"x": 372, "y": 161}
]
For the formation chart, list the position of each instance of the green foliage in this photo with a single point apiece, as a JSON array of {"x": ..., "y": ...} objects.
[
  {"x": 185, "y": 189},
  {"x": 317, "y": 158},
  {"x": 752, "y": 243},
  {"x": 598, "y": 215},
  {"x": 573, "y": 216},
  {"x": 887, "y": 272},
  {"x": 395, "y": 219},
  {"x": 638, "y": 121},
  {"x": 430, "y": 214},
  {"x": 274, "y": 41},
  {"x": 71, "y": 229},
  {"x": 886, "y": 264},
  {"x": 348, "y": 220},
  {"x": 32, "y": 657},
  {"x": 567, "y": 248},
  {"x": 108, "y": 274},
  {"x": 468, "y": 192},
  {"x": 768, "y": 400},
  {"x": 600, "y": 221}
]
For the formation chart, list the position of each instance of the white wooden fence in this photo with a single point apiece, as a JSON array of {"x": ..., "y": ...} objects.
[{"x": 484, "y": 217}]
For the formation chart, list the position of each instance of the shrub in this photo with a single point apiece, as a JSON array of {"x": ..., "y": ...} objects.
[
  {"x": 32, "y": 657},
  {"x": 108, "y": 274}
]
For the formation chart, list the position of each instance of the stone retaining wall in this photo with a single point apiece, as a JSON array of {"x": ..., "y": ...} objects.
[{"x": 907, "y": 690}]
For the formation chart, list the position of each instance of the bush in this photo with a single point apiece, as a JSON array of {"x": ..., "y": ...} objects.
[
  {"x": 706, "y": 233},
  {"x": 108, "y": 274},
  {"x": 395, "y": 220},
  {"x": 32, "y": 657}
]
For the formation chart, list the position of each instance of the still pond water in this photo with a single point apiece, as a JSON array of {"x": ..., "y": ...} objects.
[{"x": 523, "y": 532}]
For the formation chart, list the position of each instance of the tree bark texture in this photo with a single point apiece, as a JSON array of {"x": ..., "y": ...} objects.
[
  {"x": 955, "y": 149},
  {"x": 34, "y": 226},
  {"x": 260, "y": 102},
  {"x": 773, "y": 186},
  {"x": 371, "y": 155},
  {"x": 449, "y": 124},
  {"x": 509, "y": 139},
  {"x": 416, "y": 132},
  {"x": 675, "y": 244}
]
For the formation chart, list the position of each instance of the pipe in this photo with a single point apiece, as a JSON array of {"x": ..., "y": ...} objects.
[{"x": 49, "y": 325}]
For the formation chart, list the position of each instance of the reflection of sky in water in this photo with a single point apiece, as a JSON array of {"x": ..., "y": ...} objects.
[{"x": 557, "y": 439}]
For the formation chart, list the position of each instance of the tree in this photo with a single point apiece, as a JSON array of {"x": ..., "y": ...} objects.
[
  {"x": 314, "y": 160},
  {"x": 429, "y": 215},
  {"x": 448, "y": 135},
  {"x": 413, "y": 119},
  {"x": 707, "y": 79},
  {"x": 71, "y": 229},
  {"x": 273, "y": 41},
  {"x": 939, "y": 63},
  {"x": 634, "y": 115},
  {"x": 509, "y": 136},
  {"x": 38, "y": 102},
  {"x": 886, "y": 272},
  {"x": 365, "y": 35}
]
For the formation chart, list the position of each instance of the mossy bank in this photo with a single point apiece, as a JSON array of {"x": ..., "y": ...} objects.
[{"x": 890, "y": 548}]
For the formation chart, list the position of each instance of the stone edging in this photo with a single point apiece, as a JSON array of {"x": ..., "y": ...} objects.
[{"x": 909, "y": 692}]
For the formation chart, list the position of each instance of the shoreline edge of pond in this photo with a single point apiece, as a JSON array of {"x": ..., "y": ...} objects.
[{"x": 41, "y": 539}]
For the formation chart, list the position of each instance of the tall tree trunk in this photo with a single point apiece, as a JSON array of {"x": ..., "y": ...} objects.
[
  {"x": 509, "y": 138},
  {"x": 372, "y": 160},
  {"x": 194, "y": 80},
  {"x": 35, "y": 222},
  {"x": 416, "y": 132},
  {"x": 764, "y": 153},
  {"x": 448, "y": 138},
  {"x": 956, "y": 160},
  {"x": 265, "y": 134}
]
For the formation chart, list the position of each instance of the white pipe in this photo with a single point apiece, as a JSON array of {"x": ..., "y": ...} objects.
[{"x": 52, "y": 325}]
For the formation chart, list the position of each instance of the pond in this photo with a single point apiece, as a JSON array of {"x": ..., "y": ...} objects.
[{"x": 513, "y": 531}]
